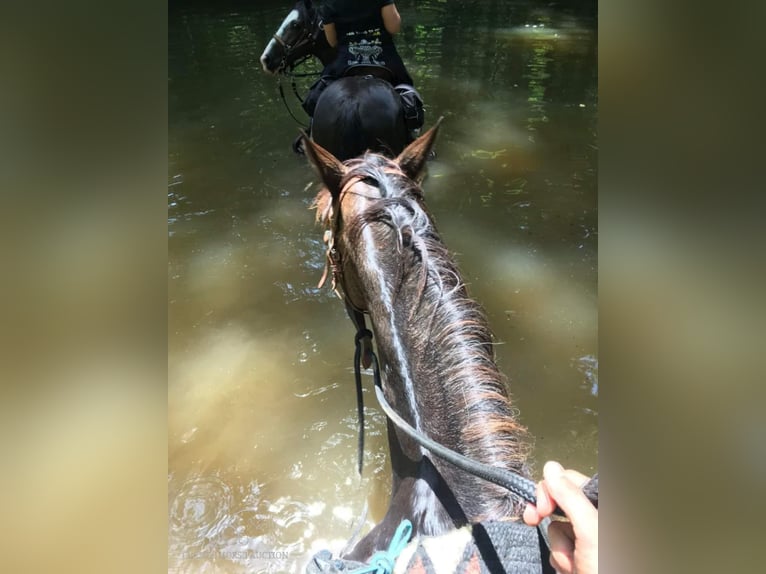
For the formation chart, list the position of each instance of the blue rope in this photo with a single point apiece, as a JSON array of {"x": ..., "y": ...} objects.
[{"x": 383, "y": 562}]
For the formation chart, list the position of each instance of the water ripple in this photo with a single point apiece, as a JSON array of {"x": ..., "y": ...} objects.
[
  {"x": 588, "y": 366},
  {"x": 319, "y": 391},
  {"x": 200, "y": 510}
]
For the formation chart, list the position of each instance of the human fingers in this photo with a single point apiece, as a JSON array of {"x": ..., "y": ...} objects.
[
  {"x": 561, "y": 537},
  {"x": 534, "y": 513},
  {"x": 531, "y": 516},
  {"x": 577, "y": 477},
  {"x": 545, "y": 503},
  {"x": 569, "y": 497}
]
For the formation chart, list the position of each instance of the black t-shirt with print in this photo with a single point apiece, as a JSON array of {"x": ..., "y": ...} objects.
[
  {"x": 357, "y": 20},
  {"x": 362, "y": 37}
]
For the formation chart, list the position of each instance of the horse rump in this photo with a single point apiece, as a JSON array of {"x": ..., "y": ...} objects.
[{"x": 355, "y": 114}]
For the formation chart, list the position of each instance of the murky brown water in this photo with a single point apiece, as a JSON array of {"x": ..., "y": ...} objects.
[{"x": 262, "y": 425}]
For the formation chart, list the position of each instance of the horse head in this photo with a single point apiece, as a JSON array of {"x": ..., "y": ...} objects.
[
  {"x": 351, "y": 192},
  {"x": 299, "y": 35},
  {"x": 435, "y": 348}
]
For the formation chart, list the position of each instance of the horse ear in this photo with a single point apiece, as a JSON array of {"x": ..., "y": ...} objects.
[
  {"x": 330, "y": 169},
  {"x": 413, "y": 159}
]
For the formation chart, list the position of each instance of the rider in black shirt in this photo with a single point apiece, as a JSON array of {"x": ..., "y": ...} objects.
[{"x": 362, "y": 31}]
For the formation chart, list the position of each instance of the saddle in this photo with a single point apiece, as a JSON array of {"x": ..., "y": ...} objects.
[
  {"x": 375, "y": 70},
  {"x": 488, "y": 547}
]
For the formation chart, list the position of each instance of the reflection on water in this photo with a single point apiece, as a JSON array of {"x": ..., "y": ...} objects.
[{"x": 262, "y": 420}]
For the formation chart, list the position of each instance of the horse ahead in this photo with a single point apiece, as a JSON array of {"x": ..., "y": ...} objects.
[
  {"x": 434, "y": 344},
  {"x": 358, "y": 112}
]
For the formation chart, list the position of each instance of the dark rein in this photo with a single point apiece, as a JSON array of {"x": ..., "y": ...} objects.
[{"x": 284, "y": 100}]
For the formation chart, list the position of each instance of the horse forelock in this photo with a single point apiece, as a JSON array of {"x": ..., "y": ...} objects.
[
  {"x": 390, "y": 199},
  {"x": 400, "y": 200},
  {"x": 373, "y": 171}
]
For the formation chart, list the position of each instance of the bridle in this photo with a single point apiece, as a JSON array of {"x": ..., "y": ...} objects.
[
  {"x": 334, "y": 258},
  {"x": 307, "y": 38}
]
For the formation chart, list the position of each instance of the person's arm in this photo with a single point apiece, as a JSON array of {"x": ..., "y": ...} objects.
[
  {"x": 331, "y": 34},
  {"x": 574, "y": 544},
  {"x": 391, "y": 18}
]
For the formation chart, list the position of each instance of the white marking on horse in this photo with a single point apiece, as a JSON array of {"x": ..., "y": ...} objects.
[
  {"x": 401, "y": 355},
  {"x": 293, "y": 16},
  {"x": 289, "y": 19}
]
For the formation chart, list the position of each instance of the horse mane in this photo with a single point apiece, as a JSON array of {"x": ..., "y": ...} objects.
[{"x": 474, "y": 389}]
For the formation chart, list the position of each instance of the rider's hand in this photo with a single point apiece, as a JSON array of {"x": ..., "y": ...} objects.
[{"x": 574, "y": 544}]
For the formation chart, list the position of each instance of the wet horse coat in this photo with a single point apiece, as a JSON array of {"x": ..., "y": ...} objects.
[{"x": 433, "y": 341}]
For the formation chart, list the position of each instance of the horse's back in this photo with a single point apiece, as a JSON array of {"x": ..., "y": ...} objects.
[{"x": 359, "y": 113}]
